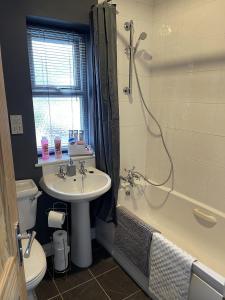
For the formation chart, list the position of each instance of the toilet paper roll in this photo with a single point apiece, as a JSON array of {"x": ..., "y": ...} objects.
[
  {"x": 61, "y": 250},
  {"x": 59, "y": 239},
  {"x": 61, "y": 259},
  {"x": 56, "y": 219}
]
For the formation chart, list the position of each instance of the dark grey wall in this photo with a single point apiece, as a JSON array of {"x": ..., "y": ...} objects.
[
  {"x": 13, "y": 15},
  {"x": 13, "y": 18}
]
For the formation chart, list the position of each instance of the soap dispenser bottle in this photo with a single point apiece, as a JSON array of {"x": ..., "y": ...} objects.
[{"x": 71, "y": 168}]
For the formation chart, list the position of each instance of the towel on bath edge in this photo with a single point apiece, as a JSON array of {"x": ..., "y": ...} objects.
[
  {"x": 170, "y": 270},
  {"x": 133, "y": 239}
]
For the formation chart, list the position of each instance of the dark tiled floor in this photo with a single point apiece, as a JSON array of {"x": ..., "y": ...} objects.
[
  {"x": 105, "y": 279},
  {"x": 117, "y": 284}
]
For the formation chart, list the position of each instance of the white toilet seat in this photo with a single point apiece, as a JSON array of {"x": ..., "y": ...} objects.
[{"x": 35, "y": 265}]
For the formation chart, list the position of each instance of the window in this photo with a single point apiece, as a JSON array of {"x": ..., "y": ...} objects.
[{"x": 58, "y": 68}]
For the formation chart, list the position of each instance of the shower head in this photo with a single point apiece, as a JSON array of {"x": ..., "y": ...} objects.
[{"x": 142, "y": 37}]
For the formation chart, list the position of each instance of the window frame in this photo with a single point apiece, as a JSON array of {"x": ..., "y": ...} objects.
[{"x": 48, "y": 91}]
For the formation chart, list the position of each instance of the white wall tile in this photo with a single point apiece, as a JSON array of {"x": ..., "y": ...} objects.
[
  {"x": 136, "y": 10},
  {"x": 187, "y": 95},
  {"x": 133, "y": 129},
  {"x": 184, "y": 87},
  {"x": 133, "y": 147},
  {"x": 219, "y": 120},
  {"x": 157, "y": 163},
  {"x": 215, "y": 187},
  {"x": 131, "y": 114},
  {"x": 191, "y": 177}
]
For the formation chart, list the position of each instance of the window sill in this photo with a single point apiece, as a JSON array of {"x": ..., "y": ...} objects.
[{"x": 65, "y": 157}]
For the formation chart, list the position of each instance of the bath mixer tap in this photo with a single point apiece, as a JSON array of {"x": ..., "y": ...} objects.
[{"x": 131, "y": 176}]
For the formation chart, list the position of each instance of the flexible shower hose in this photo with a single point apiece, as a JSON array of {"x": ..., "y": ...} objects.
[{"x": 171, "y": 172}]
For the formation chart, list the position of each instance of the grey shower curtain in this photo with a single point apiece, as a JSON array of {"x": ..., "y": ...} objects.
[{"x": 105, "y": 104}]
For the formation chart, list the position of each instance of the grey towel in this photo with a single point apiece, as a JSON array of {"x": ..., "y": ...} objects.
[{"x": 133, "y": 239}]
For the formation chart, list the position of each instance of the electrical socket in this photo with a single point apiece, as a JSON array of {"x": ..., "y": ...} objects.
[{"x": 16, "y": 122}]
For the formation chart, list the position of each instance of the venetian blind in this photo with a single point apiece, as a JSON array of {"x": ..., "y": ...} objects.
[{"x": 58, "y": 68}]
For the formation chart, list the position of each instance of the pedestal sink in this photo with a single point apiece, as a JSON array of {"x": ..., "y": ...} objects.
[{"x": 79, "y": 190}]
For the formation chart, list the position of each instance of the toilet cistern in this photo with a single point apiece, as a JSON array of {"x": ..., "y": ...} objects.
[{"x": 34, "y": 257}]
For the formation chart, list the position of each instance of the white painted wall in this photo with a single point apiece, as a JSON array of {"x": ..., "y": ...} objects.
[{"x": 187, "y": 93}]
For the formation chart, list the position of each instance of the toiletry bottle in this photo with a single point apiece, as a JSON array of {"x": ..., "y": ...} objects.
[
  {"x": 75, "y": 134},
  {"x": 71, "y": 137},
  {"x": 44, "y": 148},
  {"x": 70, "y": 134},
  {"x": 58, "y": 147},
  {"x": 81, "y": 137}
]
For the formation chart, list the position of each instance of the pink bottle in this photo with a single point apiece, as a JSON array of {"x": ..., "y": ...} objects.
[{"x": 44, "y": 148}]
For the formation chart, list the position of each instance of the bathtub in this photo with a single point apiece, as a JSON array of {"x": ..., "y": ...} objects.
[{"x": 196, "y": 228}]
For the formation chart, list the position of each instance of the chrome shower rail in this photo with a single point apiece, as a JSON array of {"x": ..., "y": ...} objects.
[{"x": 129, "y": 26}]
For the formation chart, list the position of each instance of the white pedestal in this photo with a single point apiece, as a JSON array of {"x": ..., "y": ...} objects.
[{"x": 81, "y": 251}]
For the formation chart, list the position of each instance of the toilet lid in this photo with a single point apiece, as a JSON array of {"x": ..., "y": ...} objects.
[{"x": 36, "y": 263}]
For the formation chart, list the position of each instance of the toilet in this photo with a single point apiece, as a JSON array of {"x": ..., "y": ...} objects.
[{"x": 35, "y": 265}]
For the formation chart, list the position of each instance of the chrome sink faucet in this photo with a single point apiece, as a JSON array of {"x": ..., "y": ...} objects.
[
  {"x": 82, "y": 169},
  {"x": 61, "y": 173}
]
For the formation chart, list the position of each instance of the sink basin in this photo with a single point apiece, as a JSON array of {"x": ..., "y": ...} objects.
[{"x": 77, "y": 188}]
